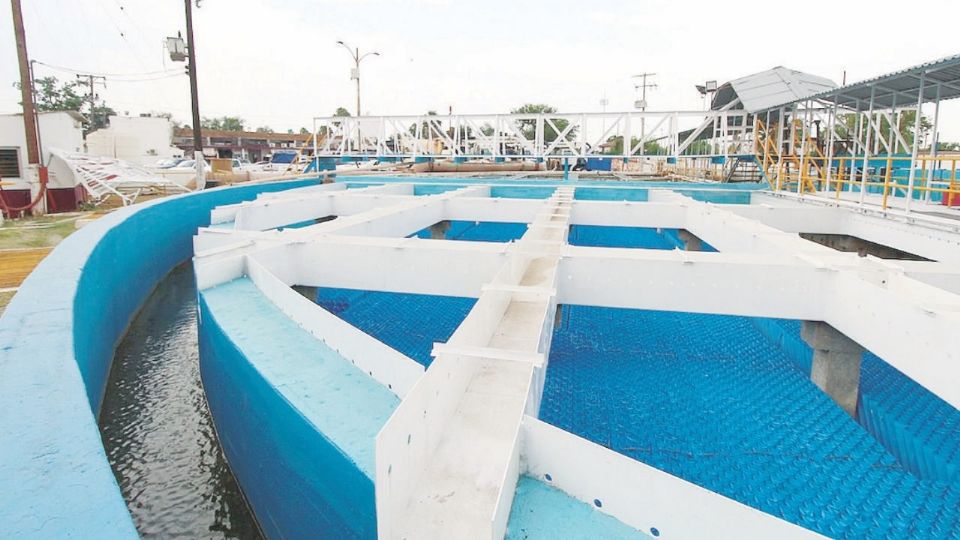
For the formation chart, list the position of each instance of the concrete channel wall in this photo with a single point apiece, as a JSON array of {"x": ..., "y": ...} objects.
[{"x": 57, "y": 340}]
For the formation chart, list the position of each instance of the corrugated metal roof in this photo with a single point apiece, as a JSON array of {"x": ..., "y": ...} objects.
[
  {"x": 901, "y": 88},
  {"x": 771, "y": 88}
]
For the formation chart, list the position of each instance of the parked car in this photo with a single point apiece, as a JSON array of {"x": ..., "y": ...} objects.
[
  {"x": 191, "y": 164},
  {"x": 241, "y": 165},
  {"x": 168, "y": 163}
]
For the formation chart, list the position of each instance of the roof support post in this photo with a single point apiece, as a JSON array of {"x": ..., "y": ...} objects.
[
  {"x": 831, "y": 125},
  {"x": 723, "y": 137},
  {"x": 916, "y": 143},
  {"x": 780, "y": 149},
  {"x": 866, "y": 147},
  {"x": 316, "y": 154},
  {"x": 935, "y": 140},
  {"x": 675, "y": 121},
  {"x": 803, "y": 146},
  {"x": 627, "y": 138}
]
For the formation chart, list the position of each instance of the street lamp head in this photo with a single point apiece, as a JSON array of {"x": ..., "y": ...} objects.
[
  {"x": 376, "y": 54},
  {"x": 340, "y": 43}
]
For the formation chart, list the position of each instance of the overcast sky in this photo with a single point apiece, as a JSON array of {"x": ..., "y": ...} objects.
[{"x": 276, "y": 62}]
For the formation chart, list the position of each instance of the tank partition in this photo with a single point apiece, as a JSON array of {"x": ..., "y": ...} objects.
[
  {"x": 297, "y": 396},
  {"x": 298, "y": 480},
  {"x": 634, "y": 493},
  {"x": 57, "y": 339}
]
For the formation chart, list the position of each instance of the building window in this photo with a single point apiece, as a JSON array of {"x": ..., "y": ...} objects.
[{"x": 9, "y": 163}]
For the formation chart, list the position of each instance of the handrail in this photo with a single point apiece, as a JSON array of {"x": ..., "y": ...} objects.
[{"x": 850, "y": 178}]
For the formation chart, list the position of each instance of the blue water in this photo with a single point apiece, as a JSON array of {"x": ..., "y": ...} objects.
[
  {"x": 610, "y": 194},
  {"x": 479, "y": 231},
  {"x": 717, "y": 197},
  {"x": 522, "y": 192},
  {"x": 544, "y": 182},
  {"x": 628, "y": 237},
  {"x": 709, "y": 399},
  {"x": 542, "y": 511},
  {"x": 410, "y": 323},
  {"x": 421, "y": 189}
]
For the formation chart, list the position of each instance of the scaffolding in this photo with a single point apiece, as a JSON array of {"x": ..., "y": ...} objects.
[{"x": 864, "y": 142}]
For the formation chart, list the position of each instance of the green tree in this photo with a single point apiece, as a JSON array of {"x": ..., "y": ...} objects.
[
  {"x": 223, "y": 123},
  {"x": 265, "y": 129},
  {"x": 948, "y": 146},
  {"x": 99, "y": 117},
  {"x": 341, "y": 112},
  {"x": 846, "y": 127},
  {"x": 52, "y": 95},
  {"x": 650, "y": 148},
  {"x": 425, "y": 126},
  {"x": 304, "y": 131},
  {"x": 528, "y": 127},
  {"x": 169, "y": 116}
]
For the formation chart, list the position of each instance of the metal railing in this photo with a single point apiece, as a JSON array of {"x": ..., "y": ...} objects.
[{"x": 927, "y": 178}]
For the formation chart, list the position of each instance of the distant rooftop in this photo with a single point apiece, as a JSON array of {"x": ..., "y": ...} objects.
[{"x": 272, "y": 136}]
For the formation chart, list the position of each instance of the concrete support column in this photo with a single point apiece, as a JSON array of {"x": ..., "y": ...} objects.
[
  {"x": 438, "y": 231},
  {"x": 836, "y": 363},
  {"x": 691, "y": 242}
]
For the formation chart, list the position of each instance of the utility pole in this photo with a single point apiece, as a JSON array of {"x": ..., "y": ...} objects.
[
  {"x": 92, "y": 95},
  {"x": 194, "y": 95},
  {"x": 355, "y": 74},
  {"x": 642, "y": 105},
  {"x": 26, "y": 87}
]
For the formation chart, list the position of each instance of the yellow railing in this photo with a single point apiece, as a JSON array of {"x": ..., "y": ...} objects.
[
  {"x": 788, "y": 171},
  {"x": 848, "y": 174}
]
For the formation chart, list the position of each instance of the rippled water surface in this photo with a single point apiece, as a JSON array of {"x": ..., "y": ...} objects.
[{"x": 157, "y": 429}]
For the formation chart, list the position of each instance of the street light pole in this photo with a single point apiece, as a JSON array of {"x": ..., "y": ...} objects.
[
  {"x": 194, "y": 96},
  {"x": 355, "y": 74}
]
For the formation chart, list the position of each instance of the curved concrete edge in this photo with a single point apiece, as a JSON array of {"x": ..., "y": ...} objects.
[{"x": 57, "y": 339}]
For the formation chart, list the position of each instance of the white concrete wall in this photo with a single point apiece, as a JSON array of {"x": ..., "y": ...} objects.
[
  {"x": 58, "y": 130},
  {"x": 140, "y": 140}
]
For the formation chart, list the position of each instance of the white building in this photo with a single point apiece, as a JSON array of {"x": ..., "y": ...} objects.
[
  {"x": 61, "y": 130},
  {"x": 138, "y": 139}
]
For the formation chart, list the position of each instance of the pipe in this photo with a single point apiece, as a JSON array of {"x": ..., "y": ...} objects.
[
  {"x": 9, "y": 210},
  {"x": 446, "y": 166}
]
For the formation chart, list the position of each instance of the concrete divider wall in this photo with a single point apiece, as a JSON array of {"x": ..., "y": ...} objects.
[
  {"x": 57, "y": 340},
  {"x": 298, "y": 482}
]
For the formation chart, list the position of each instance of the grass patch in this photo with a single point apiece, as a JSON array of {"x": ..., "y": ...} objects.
[
  {"x": 5, "y": 298},
  {"x": 44, "y": 231}
]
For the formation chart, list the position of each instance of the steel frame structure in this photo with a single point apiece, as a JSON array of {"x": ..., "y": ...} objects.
[
  {"x": 840, "y": 162},
  {"x": 534, "y": 136}
]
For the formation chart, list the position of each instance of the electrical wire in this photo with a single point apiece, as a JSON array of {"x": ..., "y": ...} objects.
[{"x": 100, "y": 74}]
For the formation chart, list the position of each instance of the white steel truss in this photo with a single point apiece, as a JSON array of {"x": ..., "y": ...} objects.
[{"x": 537, "y": 136}]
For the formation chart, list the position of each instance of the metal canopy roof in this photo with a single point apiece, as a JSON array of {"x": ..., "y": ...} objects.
[
  {"x": 771, "y": 88},
  {"x": 900, "y": 88}
]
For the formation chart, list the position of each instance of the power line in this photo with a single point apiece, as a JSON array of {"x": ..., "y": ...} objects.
[{"x": 101, "y": 74}]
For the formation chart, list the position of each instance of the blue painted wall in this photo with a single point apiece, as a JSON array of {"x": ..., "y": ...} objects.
[
  {"x": 57, "y": 339},
  {"x": 298, "y": 482}
]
